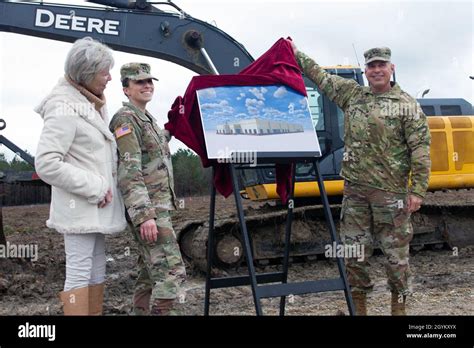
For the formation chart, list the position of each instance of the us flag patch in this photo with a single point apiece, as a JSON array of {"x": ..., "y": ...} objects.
[{"x": 122, "y": 130}]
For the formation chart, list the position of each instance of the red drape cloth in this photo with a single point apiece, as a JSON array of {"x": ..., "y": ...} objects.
[{"x": 277, "y": 66}]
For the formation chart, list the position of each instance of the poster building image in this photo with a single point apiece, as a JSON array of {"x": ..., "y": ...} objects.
[{"x": 255, "y": 119}]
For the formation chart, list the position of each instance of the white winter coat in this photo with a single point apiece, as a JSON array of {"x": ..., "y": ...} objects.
[{"x": 77, "y": 156}]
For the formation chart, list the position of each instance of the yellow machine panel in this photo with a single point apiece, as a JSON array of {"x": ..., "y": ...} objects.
[{"x": 452, "y": 161}]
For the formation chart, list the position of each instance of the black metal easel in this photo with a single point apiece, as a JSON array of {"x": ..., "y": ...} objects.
[{"x": 284, "y": 288}]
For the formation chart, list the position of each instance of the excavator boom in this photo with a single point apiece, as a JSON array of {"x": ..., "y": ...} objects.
[{"x": 144, "y": 30}]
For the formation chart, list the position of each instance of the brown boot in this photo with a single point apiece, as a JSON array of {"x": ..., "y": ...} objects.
[
  {"x": 96, "y": 299},
  {"x": 398, "y": 304},
  {"x": 162, "y": 307},
  {"x": 75, "y": 301},
  {"x": 360, "y": 302}
]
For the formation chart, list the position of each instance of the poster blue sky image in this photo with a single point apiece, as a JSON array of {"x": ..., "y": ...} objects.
[
  {"x": 272, "y": 119},
  {"x": 235, "y": 103}
]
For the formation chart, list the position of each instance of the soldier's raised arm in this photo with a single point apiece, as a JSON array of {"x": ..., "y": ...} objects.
[
  {"x": 130, "y": 176},
  {"x": 338, "y": 89}
]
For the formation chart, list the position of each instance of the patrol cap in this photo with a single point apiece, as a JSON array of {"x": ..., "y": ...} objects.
[
  {"x": 136, "y": 71},
  {"x": 377, "y": 53}
]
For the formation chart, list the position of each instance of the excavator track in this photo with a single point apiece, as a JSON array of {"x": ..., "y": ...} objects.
[{"x": 436, "y": 226}]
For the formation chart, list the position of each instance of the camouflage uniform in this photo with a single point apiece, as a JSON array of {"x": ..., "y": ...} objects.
[
  {"x": 145, "y": 177},
  {"x": 386, "y": 139}
]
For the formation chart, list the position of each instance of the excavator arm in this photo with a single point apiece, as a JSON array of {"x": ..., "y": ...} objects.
[{"x": 134, "y": 27}]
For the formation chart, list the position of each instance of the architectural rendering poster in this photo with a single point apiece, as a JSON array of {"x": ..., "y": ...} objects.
[{"x": 244, "y": 119}]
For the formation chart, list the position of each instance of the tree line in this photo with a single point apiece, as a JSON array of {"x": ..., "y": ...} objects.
[
  {"x": 16, "y": 163},
  {"x": 190, "y": 178}
]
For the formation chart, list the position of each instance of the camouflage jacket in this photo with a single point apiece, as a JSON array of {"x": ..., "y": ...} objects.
[
  {"x": 145, "y": 171},
  {"x": 386, "y": 135}
]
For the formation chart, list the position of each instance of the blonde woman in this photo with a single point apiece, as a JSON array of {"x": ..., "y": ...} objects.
[{"x": 77, "y": 156}]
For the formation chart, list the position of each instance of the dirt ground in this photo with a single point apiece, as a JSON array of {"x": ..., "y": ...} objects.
[{"x": 442, "y": 280}]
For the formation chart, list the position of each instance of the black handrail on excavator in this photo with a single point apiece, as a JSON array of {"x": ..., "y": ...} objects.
[{"x": 131, "y": 26}]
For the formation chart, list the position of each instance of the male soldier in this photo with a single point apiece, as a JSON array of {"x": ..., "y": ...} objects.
[
  {"x": 386, "y": 137},
  {"x": 145, "y": 175}
]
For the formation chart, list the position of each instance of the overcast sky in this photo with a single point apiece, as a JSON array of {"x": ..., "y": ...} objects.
[{"x": 431, "y": 42}]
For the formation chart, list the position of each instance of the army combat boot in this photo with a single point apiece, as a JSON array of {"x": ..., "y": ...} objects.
[
  {"x": 360, "y": 302},
  {"x": 141, "y": 301},
  {"x": 162, "y": 307},
  {"x": 398, "y": 304}
]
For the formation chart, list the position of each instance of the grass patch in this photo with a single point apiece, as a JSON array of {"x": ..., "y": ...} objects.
[{"x": 7, "y": 230}]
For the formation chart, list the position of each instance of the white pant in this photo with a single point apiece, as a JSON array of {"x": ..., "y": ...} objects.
[{"x": 85, "y": 260}]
